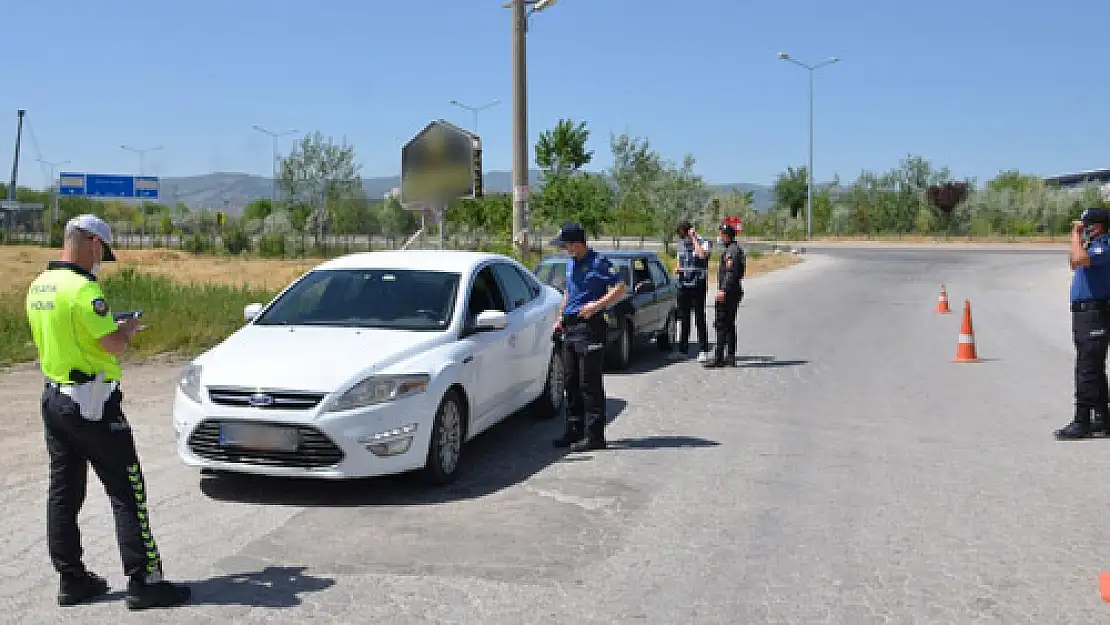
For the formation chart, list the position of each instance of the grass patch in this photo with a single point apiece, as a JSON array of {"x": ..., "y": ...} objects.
[{"x": 181, "y": 318}]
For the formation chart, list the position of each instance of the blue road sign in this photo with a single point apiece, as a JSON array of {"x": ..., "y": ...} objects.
[
  {"x": 108, "y": 185},
  {"x": 71, "y": 184}
]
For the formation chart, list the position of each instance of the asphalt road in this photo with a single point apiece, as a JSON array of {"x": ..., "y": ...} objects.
[{"x": 848, "y": 472}]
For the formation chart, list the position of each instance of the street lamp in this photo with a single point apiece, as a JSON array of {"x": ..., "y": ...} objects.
[
  {"x": 474, "y": 110},
  {"x": 274, "y": 166},
  {"x": 54, "y": 185},
  {"x": 521, "y": 10},
  {"x": 142, "y": 172},
  {"x": 809, "y": 170}
]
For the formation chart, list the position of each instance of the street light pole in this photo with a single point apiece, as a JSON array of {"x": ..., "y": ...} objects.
[
  {"x": 53, "y": 186},
  {"x": 809, "y": 169},
  {"x": 274, "y": 165},
  {"x": 521, "y": 9},
  {"x": 474, "y": 110},
  {"x": 142, "y": 172}
]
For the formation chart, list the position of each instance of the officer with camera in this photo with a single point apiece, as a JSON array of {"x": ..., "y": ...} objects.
[
  {"x": 79, "y": 341},
  {"x": 1089, "y": 257},
  {"x": 593, "y": 284},
  {"x": 729, "y": 293},
  {"x": 692, "y": 272}
]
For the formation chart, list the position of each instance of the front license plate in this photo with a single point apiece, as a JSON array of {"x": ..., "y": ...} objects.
[{"x": 258, "y": 437}]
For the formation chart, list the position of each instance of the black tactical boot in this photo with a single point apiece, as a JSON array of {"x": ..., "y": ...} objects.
[
  {"x": 142, "y": 594},
  {"x": 595, "y": 439},
  {"x": 1080, "y": 427},
  {"x": 74, "y": 589},
  {"x": 571, "y": 435}
]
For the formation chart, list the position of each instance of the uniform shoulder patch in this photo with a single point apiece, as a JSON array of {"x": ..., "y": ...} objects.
[{"x": 100, "y": 306}]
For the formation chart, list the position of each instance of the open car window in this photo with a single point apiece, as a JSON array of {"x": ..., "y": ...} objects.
[
  {"x": 400, "y": 299},
  {"x": 485, "y": 295}
]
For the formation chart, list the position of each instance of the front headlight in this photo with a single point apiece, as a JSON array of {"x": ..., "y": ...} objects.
[
  {"x": 380, "y": 389},
  {"x": 190, "y": 382}
]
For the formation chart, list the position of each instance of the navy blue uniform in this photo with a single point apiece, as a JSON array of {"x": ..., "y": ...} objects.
[
  {"x": 587, "y": 280},
  {"x": 1090, "y": 306}
]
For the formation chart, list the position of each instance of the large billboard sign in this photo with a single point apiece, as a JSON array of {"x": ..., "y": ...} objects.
[{"x": 441, "y": 163}]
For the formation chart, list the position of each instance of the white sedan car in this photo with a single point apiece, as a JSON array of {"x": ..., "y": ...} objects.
[{"x": 373, "y": 364}]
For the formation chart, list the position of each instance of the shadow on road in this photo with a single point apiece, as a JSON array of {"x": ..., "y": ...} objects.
[
  {"x": 766, "y": 362},
  {"x": 272, "y": 587},
  {"x": 502, "y": 456},
  {"x": 662, "y": 442}
]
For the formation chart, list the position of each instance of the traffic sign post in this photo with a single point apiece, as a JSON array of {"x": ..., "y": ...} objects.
[{"x": 108, "y": 186}]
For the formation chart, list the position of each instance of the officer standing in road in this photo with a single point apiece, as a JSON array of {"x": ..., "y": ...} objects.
[
  {"x": 78, "y": 341},
  {"x": 692, "y": 271},
  {"x": 1090, "y": 321},
  {"x": 593, "y": 284},
  {"x": 729, "y": 293}
]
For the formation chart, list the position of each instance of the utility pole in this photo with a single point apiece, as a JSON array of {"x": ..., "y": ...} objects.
[
  {"x": 520, "y": 127},
  {"x": 15, "y": 163},
  {"x": 142, "y": 172},
  {"x": 276, "y": 157}
]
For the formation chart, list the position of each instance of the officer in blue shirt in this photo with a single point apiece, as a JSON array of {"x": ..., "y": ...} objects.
[
  {"x": 1090, "y": 319},
  {"x": 593, "y": 284}
]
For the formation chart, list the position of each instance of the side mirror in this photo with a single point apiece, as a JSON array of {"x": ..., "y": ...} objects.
[
  {"x": 251, "y": 311},
  {"x": 644, "y": 286},
  {"x": 491, "y": 320}
]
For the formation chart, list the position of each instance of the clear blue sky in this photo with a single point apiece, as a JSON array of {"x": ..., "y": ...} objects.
[{"x": 980, "y": 85}]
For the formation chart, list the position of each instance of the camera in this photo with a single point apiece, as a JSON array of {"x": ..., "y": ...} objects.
[{"x": 133, "y": 314}]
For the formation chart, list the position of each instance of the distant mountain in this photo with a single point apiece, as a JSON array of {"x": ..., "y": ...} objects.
[{"x": 231, "y": 192}]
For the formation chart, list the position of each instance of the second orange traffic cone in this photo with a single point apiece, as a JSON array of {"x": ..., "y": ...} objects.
[
  {"x": 942, "y": 301},
  {"x": 965, "y": 350}
]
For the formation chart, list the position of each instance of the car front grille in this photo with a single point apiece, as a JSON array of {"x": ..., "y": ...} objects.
[
  {"x": 314, "y": 451},
  {"x": 265, "y": 399}
]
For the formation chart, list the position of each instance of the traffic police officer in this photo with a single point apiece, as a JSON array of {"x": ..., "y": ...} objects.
[
  {"x": 729, "y": 293},
  {"x": 78, "y": 341},
  {"x": 593, "y": 284},
  {"x": 1090, "y": 318}
]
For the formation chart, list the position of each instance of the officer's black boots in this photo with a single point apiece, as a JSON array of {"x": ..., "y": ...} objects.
[
  {"x": 74, "y": 589},
  {"x": 594, "y": 440},
  {"x": 142, "y": 595},
  {"x": 1083, "y": 426},
  {"x": 570, "y": 436}
]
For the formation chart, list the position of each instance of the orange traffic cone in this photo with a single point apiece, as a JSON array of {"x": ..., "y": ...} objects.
[
  {"x": 942, "y": 301},
  {"x": 965, "y": 350}
]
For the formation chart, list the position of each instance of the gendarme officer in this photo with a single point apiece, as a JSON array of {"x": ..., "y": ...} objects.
[
  {"x": 78, "y": 342},
  {"x": 1090, "y": 321},
  {"x": 729, "y": 293},
  {"x": 593, "y": 284}
]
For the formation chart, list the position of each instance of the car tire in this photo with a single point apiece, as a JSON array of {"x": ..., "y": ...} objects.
[
  {"x": 448, "y": 438},
  {"x": 621, "y": 355},
  {"x": 550, "y": 402}
]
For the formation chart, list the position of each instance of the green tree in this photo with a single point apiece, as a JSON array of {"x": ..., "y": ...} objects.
[
  {"x": 1014, "y": 180},
  {"x": 562, "y": 150},
  {"x": 790, "y": 190},
  {"x": 637, "y": 171},
  {"x": 318, "y": 173},
  {"x": 258, "y": 209}
]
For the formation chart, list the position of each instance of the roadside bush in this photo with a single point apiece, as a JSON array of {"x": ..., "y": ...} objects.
[
  {"x": 236, "y": 242},
  {"x": 197, "y": 244},
  {"x": 272, "y": 246}
]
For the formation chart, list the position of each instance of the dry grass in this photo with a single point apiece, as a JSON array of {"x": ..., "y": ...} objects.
[
  {"x": 916, "y": 238},
  {"x": 770, "y": 262},
  {"x": 20, "y": 265}
]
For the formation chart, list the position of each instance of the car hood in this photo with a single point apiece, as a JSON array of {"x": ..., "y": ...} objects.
[{"x": 308, "y": 358}]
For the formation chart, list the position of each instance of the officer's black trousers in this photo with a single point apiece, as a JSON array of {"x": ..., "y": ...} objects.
[
  {"x": 73, "y": 443},
  {"x": 1091, "y": 334},
  {"x": 724, "y": 322},
  {"x": 692, "y": 299},
  {"x": 583, "y": 365}
]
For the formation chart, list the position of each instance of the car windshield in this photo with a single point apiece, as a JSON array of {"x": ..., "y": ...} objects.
[
  {"x": 402, "y": 299},
  {"x": 554, "y": 272}
]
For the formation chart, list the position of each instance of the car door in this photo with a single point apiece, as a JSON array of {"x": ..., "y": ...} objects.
[
  {"x": 666, "y": 293},
  {"x": 523, "y": 343},
  {"x": 486, "y": 363},
  {"x": 647, "y": 313}
]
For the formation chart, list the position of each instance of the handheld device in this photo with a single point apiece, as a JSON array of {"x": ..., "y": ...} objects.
[{"x": 131, "y": 314}]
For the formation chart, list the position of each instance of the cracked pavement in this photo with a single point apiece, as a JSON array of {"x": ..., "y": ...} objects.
[{"x": 846, "y": 472}]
